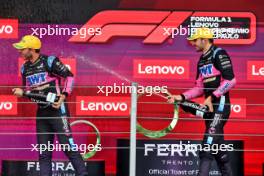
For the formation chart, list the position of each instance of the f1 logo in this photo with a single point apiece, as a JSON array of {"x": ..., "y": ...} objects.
[
  {"x": 133, "y": 25},
  {"x": 151, "y": 25},
  {"x": 8, "y": 28}
]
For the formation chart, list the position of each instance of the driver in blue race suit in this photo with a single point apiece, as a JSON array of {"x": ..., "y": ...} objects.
[
  {"x": 215, "y": 77},
  {"x": 42, "y": 75}
]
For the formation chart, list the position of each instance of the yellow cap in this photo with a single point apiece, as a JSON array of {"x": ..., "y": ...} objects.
[
  {"x": 28, "y": 41},
  {"x": 205, "y": 33}
]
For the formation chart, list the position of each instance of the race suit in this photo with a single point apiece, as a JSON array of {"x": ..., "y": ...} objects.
[
  {"x": 41, "y": 77},
  {"x": 215, "y": 77}
]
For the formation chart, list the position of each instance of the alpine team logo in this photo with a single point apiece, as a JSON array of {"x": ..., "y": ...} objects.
[
  {"x": 36, "y": 79},
  {"x": 102, "y": 106},
  {"x": 160, "y": 68},
  {"x": 8, "y": 105},
  {"x": 8, "y": 28}
]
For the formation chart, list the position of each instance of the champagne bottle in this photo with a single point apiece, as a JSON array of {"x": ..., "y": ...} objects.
[{"x": 49, "y": 98}]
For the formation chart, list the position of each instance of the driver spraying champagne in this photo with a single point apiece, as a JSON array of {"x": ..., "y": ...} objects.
[
  {"x": 41, "y": 76},
  {"x": 215, "y": 77}
]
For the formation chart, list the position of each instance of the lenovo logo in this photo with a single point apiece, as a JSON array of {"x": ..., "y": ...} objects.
[
  {"x": 255, "y": 70},
  {"x": 8, "y": 105},
  {"x": 99, "y": 105},
  {"x": 8, "y": 28},
  {"x": 238, "y": 107},
  {"x": 157, "y": 69}
]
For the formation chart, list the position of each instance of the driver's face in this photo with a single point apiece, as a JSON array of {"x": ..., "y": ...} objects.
[
  {"x": 199, "y": 44},
  {"x": 25, "y": 53}
]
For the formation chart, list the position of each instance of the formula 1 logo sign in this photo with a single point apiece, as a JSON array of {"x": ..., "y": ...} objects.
[
  {"x": 8, "y": 28},
  {"x": 161, "y": 69},
  {"x": 157, "y": 26},
  {"x": 102, "y": 106},
  {"x": 8, "y": 105}
]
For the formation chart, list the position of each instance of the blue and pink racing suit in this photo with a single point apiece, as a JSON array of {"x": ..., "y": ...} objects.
[
  {"x": 41, "y": 77},
  {"x": 215, "y": 77}
]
